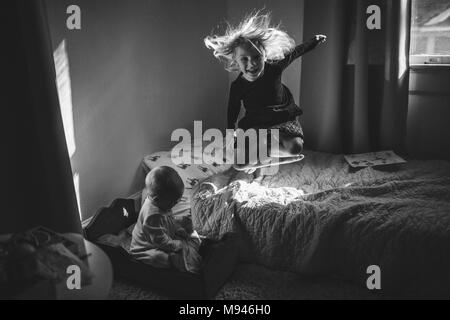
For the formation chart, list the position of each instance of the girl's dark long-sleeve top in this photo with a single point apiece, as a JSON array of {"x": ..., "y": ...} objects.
[{"x": 267, "y": 90}]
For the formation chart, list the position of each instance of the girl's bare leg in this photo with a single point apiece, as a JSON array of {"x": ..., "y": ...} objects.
[
  {"x": 249, "y": 155},
  {"x": 288, "y": 146},
  {"x": 288, "y": 151}
]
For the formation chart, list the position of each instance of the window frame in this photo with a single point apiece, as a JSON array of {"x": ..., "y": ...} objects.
[
  {"x": 426, "y": 59},
  {"x": 429, "y": 59}
]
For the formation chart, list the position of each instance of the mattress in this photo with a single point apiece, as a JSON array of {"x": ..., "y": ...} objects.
[{"x": 320, "y": 216}]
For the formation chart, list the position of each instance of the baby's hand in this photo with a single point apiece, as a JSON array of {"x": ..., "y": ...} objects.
[
  {"x": 320, "y": 38},
  {"x": 196, "y": 237},
  {"x": 182, "y": 234}
]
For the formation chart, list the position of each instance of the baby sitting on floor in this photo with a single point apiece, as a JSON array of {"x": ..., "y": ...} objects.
[{"x": 157, "y": 238}]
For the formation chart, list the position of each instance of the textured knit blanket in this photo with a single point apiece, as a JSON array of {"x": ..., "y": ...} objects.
[{"x": 320, "y": 216}]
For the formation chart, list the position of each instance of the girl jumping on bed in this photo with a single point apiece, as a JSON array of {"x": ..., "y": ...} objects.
[{"x": 260, "y": 53}]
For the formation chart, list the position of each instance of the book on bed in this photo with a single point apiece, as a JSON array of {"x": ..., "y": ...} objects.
[{"x": 370, "y": 159}]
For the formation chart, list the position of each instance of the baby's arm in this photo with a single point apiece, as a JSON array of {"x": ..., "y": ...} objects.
[
  {"x": 181, "y": 232},
  {"x": 301, "y": 49},
  {"x": 158, "y": 236}
]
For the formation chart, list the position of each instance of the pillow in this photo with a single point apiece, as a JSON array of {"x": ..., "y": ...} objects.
[
  {"x": 199, "y": 157},
  {"x": 191, "y": 174}
]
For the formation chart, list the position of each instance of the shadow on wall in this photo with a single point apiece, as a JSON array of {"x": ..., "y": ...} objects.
[{"x": 127, "y": 79}]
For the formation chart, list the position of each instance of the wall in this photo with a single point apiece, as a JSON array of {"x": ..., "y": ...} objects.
[
  {"x": 429, "y": 112},
  {"x": 138, "y": 70}
]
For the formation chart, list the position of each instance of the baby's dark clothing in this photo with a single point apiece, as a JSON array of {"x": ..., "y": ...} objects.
[{"x": 267, "y": 91}]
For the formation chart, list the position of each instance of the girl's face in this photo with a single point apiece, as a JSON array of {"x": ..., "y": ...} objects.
[{"x": 250, "y": 60}]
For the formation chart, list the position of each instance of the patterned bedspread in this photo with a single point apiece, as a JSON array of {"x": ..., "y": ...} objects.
[{"x": 320, "y": 216}]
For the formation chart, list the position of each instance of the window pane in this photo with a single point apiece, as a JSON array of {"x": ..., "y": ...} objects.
[{"x": 430, "y": 27}]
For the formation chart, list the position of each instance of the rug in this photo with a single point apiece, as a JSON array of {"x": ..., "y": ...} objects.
[{"x": 254, "y": 282}]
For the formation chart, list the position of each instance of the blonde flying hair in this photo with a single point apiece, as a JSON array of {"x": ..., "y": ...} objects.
[{"x": 255, "y": 30}]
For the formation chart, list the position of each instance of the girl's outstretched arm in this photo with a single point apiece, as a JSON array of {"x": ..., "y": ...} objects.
[{"x": 301, "y": 49}]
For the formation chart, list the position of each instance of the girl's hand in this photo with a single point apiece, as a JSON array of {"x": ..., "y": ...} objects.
[{"x": 320, "y": 38}]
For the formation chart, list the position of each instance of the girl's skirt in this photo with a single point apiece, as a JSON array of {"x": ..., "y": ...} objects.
[{"x": 284, "y": 118}]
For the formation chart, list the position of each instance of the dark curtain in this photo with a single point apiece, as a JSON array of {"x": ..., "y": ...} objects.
[
  {"x": 37, "y": 177},
  {"x": 355, "y": 90}
]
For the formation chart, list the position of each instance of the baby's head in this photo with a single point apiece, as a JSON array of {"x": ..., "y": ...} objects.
[{"x": 164, "y": 187}]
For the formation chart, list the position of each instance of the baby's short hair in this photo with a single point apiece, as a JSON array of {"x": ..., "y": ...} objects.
[{"x": 165, "y": 186}]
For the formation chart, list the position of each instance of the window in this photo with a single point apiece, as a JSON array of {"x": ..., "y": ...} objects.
[{"x": 430, "y": 32}]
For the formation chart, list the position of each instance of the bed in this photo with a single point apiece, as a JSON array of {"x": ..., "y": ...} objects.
[{"x": 321, "y": 217}]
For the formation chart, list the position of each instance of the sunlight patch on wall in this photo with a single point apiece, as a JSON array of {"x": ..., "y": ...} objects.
[
  {"x": 64, "y": 87},
  {"x": 65, "y": 94},
  {"x": 76, "y": 183},
  {"x": 402, "y": 63}
]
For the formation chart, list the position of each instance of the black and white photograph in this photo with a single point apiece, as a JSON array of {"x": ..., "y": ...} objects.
[{"x": 225, "y": 155}]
